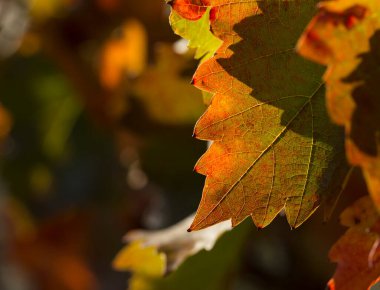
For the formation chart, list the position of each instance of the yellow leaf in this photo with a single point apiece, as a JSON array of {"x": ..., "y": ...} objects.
[{"x": 145, "y": 263}]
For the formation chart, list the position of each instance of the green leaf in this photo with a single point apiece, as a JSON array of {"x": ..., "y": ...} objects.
[{"x": 197, "y": 33}]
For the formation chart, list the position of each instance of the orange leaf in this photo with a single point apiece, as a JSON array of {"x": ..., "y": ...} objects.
[
  {"x": 274, "y": 147},
  {"x": 123, "y": 54}
]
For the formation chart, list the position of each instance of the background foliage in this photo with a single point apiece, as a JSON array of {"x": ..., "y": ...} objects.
[{"x": 96, "y": 119}]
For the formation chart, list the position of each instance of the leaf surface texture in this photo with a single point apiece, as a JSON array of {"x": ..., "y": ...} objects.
[{"x": 273, "y": 145}]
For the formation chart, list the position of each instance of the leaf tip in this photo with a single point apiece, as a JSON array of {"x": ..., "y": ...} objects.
[{"x": 331, "y": 285}]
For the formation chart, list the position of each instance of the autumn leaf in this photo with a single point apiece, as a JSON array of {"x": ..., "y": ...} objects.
[
  {"x": 345, "y": 36},
  {"x": 197, "y": 33},
  {"x": 273, "y": 145},
  {"x": 199, "y": 37},
  {"x": 357, "y": 252}
]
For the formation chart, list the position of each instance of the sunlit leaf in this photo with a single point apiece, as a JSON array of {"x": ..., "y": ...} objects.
[
  {"x": 199, "y": 37},
  {"x": 345, "y": 36},
  {"x": 274, "y": 147}
]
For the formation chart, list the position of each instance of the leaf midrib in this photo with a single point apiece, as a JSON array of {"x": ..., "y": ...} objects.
[{"x": 261, "y": 155}]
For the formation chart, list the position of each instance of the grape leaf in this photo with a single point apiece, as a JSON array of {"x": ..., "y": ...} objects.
[
  {"x": 345, "y": 36},
  {"x": 357, "y": 252},
  {"x": 274, "y": 147}
]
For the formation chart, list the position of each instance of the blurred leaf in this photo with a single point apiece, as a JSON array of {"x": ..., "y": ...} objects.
[
  {"x": 176, "y": 243},
  {"x": 167, "y": 249},
  {"x": 51, "y": 253},
  {"x": 165, "y": 94},
  {"x": 58, "y": 112},
  {"x": 211, "y": 270},
  {"x": 44, "y": 9},
  {"x": 141, "y": 259},
  {"x": 145, "y": 262},
  {"x": 124, "y": 54},
  {"x": 357, "y": 252},
  {"x": 5, "y": 123},
  {"x": 345, "y": 36}
]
